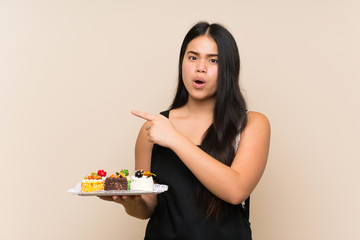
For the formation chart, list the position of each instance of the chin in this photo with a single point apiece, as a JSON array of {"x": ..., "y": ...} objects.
[{"x": 202, "y": 97}]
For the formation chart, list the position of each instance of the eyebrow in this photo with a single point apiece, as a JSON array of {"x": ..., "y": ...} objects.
[{"x": 198, "y": 54}]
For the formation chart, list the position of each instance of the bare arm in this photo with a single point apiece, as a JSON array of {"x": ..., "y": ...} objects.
[
  {"x": 235, "y": 183},
  {"x": 139, "y": 206},
  {"x": 232, "y": 184}
]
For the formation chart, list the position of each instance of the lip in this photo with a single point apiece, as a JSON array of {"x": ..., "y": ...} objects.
[{"x": 199, "y": 83}]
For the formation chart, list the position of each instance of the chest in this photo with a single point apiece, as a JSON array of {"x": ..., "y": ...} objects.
[{"x": 192, "y": 129}]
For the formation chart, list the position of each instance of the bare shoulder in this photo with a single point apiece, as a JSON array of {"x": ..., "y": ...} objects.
[
  {"x": 258, "y": 118},
  {"x": 257, "y": 122},
  {"x": 177, "y": 113}
]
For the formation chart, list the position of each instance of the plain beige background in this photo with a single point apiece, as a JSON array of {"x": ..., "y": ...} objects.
[{"x": 71, "y": 71}]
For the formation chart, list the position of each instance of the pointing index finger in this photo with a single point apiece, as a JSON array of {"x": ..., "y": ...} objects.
[{"x": 146, "y": 116}]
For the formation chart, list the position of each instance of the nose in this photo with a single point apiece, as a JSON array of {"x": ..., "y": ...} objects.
[{"x": 201, "y": 67}]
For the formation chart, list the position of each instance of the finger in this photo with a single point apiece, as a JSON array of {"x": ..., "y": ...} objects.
[
  {"x": 106, "y": 198},
  {"x": 137, "y": 197},
  {"x": 131, "y": 198},
  {"x": 147, "y": 126},
  {"x": 146, "y": 116},
  {"x": 111, "y": 199}
]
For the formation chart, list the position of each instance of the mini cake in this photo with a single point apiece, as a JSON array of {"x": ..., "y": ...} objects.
[
  {"x": 117, "y": 181},
  {"x": 142, "y": 181},
  {"x": 93, "y": 182}
]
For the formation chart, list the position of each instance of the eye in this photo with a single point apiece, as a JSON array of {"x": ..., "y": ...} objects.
[
  {"x": 192, "y": 58},
  {"x": 213, "y": 60}
]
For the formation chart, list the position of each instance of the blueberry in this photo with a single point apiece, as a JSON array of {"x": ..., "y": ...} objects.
[{"x": 139, "y": 173}]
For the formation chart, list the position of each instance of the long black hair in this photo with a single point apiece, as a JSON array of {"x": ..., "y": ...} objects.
[{"x": 229, "y": 117}]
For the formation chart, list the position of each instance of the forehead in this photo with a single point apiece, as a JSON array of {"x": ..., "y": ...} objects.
[{"x": 203, "y": 44}]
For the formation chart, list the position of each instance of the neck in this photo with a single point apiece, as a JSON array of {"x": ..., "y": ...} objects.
[{"x": 203, "y": 107}]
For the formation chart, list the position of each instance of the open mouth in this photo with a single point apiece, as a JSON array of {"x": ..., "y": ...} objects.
[{"x": 199, "y": 82}]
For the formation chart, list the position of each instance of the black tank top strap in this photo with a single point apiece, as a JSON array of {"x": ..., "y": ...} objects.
[{"x": 165, "y": 113}]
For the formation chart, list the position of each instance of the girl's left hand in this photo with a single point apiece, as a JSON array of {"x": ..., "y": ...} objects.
[
  {"x": 124, "y": 200},
  {"x": 159, "y": 129}
]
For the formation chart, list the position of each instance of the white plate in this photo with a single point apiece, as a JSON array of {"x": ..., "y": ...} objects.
[{"x": 158, "y": 188}]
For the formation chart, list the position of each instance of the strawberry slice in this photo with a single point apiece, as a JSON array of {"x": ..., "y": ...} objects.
[{"x": 101, "y": 173}]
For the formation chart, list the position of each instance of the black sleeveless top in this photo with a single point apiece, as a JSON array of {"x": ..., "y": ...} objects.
[{"x": 176, "y": 215}]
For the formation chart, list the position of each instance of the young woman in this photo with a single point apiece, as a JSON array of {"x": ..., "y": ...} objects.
[{"x": 207, "y": 147}]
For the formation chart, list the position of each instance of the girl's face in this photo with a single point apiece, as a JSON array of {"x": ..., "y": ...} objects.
[{"x": 200, "y": 68}]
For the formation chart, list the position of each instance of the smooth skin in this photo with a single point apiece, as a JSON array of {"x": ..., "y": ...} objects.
[{"x": 185, "y": 129}]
